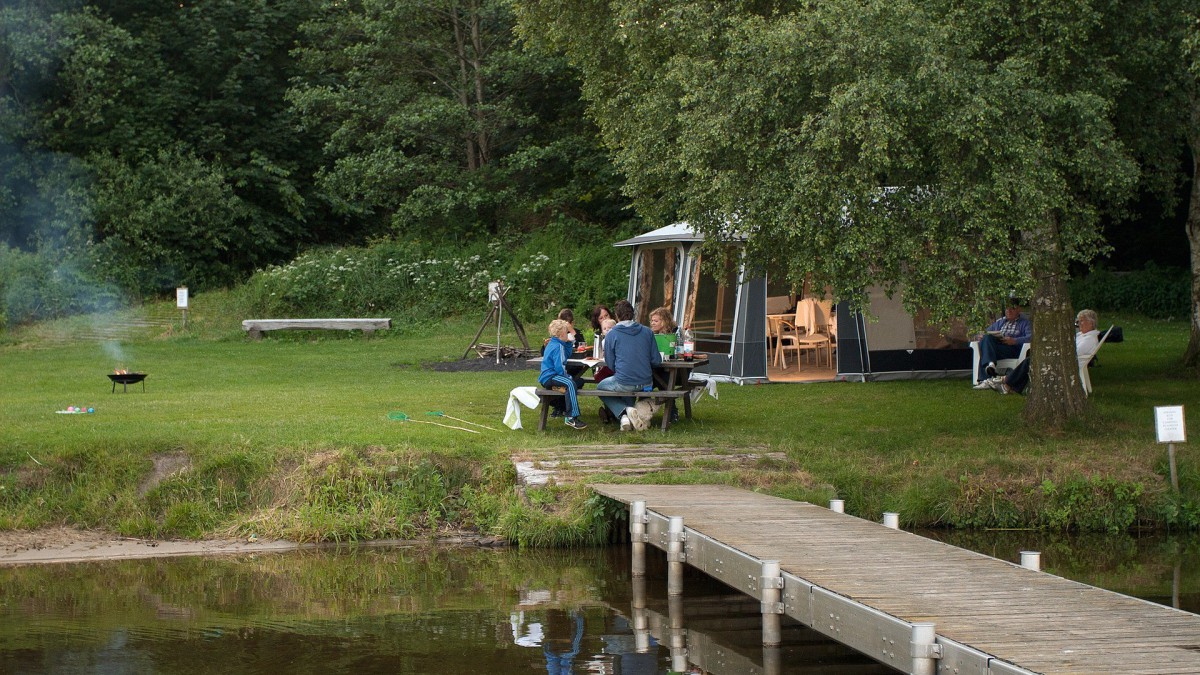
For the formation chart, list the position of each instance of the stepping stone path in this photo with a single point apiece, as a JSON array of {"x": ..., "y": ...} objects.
[{"x": 574, "y": 463}]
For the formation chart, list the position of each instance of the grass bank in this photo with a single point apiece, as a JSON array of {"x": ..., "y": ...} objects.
[{"x": 291, "y": 437}]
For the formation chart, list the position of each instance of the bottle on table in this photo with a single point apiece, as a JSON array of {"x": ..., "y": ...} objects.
[{"x": 689, "y": 344}]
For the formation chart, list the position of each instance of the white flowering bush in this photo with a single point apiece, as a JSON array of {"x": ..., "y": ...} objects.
[{"x": 419, "y": 281}]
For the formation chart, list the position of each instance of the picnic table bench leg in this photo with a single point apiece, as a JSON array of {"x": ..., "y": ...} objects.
[
  {"x": 687, "y": 405},
  {"x": 666, "y": 423},
  {"x": 543, "y": 412}
]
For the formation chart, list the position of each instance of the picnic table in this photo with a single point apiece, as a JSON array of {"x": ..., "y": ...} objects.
[{"x": 672, "y": 377}]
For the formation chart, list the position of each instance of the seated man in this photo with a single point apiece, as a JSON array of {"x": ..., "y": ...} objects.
[
  {"x": 630, "y": 350},
  {"x": 1003, "y": 340},
  {"x": 1087, "y": 341}
]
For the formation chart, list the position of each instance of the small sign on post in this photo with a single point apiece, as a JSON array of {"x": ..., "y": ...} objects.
[
  {"x": 1170, "y": 428},
  {"x": 181, "y": 301}
]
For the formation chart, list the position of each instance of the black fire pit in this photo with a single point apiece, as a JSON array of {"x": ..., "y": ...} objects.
[{"x": 126, "y": 379}]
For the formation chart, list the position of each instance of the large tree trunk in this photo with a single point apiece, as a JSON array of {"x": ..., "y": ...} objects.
[
  {"x": 1055, "y": 393},
  {"x": 1191, "y": 358}
]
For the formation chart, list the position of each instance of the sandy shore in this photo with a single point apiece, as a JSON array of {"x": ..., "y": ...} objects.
[{"x": 64, "y": 544}]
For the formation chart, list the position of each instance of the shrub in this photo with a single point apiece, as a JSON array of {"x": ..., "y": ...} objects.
[
  {"x": 39, "y": 286},
  {"x": 565, "y": 264},
  {"x": 1157, "y": 292}
]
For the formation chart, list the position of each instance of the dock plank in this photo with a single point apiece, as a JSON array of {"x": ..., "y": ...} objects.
[{"x": 1034, "y": 620}]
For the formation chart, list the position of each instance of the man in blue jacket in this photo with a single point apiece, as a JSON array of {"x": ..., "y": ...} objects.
[{"x": 630, "y": 350}]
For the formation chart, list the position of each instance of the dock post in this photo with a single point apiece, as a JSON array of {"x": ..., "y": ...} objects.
[
  {"x": 641, "y": 626},
  {"x": 1031, "y": 560},
  {"x": 837, "y": 505},
  {"x": 637, "y": 538},
  {"x": 925, "y": 649},
  {"x": 891, "y": 520},
  {"x": 771, "y": 585},
  {"x": 675, "y": 556},
  {"x": 677, "y": 640},
  {"x": 772, "y": 661}
]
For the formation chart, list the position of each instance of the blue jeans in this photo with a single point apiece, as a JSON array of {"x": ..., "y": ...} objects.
[
  {"x": 991, "y": 349},
  {"x": 1018, "y": 378},
  {"x": 616, "y": 405}
]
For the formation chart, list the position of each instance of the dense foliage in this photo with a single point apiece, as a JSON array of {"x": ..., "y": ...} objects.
[{"x": 156, "y": 145}]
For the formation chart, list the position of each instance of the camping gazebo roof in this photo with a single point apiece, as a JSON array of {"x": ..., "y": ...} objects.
[{"x": 673, "y": 232}]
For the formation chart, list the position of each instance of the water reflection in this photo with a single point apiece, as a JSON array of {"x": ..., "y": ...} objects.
[
  {"x": 469, "y": 611},
  {"x": 387, "y": 611}
]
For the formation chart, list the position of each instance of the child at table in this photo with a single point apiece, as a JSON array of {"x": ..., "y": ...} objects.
[
  {"x": 603, "y": 371},
  {"x": 554, "y": 370}
]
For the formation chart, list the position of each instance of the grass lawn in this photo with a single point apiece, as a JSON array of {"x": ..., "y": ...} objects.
[{"x": 291, "y": 436}]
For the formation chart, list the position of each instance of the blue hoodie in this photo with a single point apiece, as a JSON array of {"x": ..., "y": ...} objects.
[
  {"x": 554, "y": 359},
  {"x": 630, "y": 350}
]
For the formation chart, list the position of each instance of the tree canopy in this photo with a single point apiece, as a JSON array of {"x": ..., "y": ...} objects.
[{"x": 960, "y": 151}]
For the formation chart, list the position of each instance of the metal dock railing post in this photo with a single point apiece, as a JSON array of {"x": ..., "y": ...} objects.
[
  {"x": 675, "y": 556},
  {"x": 1031, "y": 560},
  {"x": 837, "y": 505},
  {"x": 925, "y": 650},
  {"x": 637, "y": 538},
  {"x": 771, "y": 585},
  {"x": 891, "y": 520}
]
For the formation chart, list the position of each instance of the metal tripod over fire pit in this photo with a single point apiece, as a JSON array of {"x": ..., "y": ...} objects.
[{"x": 499, "y": 305}]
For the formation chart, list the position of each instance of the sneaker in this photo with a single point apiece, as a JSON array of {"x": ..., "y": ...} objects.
[
  {"x": 557, "y": 412},
  {"x": 990, "y": 369},
  {"x": 606, "y": 415},
  {"x": 626, "y": 424},
  {"x": 576, "y": 423},
  {"x": 985, "y": 383}
]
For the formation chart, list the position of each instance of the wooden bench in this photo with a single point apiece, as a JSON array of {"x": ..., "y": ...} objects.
[
  {"x": 546, "y": 395},
  {"x": 256, "y": 327}
]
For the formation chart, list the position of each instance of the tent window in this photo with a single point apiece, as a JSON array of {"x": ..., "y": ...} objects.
[
  {"x": 710, "y": 307},
  {"x": 656, "y": 281}
]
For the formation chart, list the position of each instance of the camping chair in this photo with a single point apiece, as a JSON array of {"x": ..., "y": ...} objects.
[
  {"x": 1086, "y": 360},
  {"x": 803, "y": 335},
  {"x": 1002, "y": 365}
]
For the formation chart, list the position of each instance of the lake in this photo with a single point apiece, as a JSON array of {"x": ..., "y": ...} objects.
[{"x": 466, "y": 610}]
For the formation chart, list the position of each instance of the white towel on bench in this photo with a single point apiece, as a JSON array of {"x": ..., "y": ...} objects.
[
  {"x": 710, "y": 386},
  {"x": 519, "y": 396}
]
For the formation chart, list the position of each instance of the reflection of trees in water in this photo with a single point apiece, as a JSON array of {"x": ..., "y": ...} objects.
[{"x": 300, "y": 586}]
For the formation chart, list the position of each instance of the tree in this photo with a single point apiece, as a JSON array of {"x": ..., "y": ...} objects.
[
  {"x": 437, "y": 124},
  {"x": 958, "y": 151}
]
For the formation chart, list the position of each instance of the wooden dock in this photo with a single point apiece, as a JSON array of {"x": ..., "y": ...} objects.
[{"x": 878, "y": 589}]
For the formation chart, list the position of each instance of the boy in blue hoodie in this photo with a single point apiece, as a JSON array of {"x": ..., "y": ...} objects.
[{"x": 554, "y": 369}]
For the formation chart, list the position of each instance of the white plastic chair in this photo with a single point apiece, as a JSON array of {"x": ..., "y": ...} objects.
[
  {"x": 1085, "y": 378},
  {"x": 1002, "y": 365}
]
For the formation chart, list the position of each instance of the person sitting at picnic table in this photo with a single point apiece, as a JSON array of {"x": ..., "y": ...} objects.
[
  {"x": 630, "y": 350},
  {"x": 554, "y": 372},
  {"x": 1002, "y": 340},
  {"x": 1087, "y": 341},
  {"x": 600, "y": 314},
  {"x": 602, "y": 372},
  {"x": 661, "y": 321},
  {"x": 558, "y": 407}
]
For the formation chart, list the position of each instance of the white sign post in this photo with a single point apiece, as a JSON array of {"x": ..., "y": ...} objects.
[
  {"x": 181, "y": 301},
  {"x": 1170, "y": 429}
]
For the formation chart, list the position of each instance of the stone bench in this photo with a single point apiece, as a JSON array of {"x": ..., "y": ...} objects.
[
  {"x": 669, "y": 396},
  {"x": 256, "y": 327}
]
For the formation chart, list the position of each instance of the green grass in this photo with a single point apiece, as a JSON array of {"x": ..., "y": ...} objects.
[{"x": 290, "y": 436}]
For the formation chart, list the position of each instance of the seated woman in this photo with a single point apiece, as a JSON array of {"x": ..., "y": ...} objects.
[
  {"x": 661, "y": 321},
  {"x": 600, "y": 314}
]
